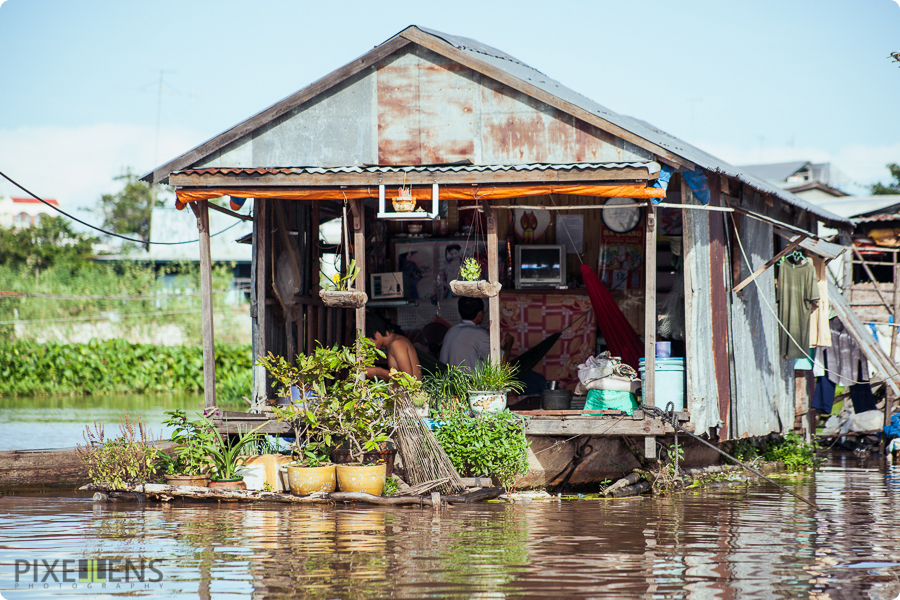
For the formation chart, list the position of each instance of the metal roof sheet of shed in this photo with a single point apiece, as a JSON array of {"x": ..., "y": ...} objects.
[
  {"x": 651, "y": 166},
  {"x": 517, "y": 68}
]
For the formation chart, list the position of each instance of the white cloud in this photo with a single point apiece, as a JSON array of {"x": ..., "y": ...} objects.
[
  {"x": 76, "y": 165},
  {"x": 863, "y": 164}
]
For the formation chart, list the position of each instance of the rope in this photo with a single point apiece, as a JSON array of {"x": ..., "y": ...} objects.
[
  {"x": 672, "y": 418},
  {"x": 104, "y": 231}
]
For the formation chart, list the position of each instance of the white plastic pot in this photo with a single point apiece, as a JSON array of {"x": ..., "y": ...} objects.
[{"x": 483, "y": 401}]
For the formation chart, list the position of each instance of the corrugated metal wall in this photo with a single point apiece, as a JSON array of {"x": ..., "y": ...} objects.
[
  {"x": 704, "y": 394},
  {"x": 764, "y": 392},
  {"x": 418, "y": 107}
]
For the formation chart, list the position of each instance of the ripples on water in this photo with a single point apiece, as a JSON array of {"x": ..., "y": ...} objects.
[{"x": 729, "y": 541}]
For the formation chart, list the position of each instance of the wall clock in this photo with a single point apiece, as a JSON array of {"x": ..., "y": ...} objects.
[{"x": 621, "y": 220}]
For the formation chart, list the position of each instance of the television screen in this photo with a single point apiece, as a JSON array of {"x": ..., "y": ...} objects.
[{"x": 540, "y": 263}]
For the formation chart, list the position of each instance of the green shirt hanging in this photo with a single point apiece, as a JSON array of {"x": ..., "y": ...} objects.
[{"x": 798, "y": 293}]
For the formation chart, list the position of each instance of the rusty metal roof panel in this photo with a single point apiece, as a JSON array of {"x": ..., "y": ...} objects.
[
  {"x": 518, "y": 69},
  {"x": 651, "y": 166}
]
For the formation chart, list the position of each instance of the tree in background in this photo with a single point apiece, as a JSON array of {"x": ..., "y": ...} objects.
[
  {"x": 128, "y": 211},
  {"x": 52, "y": 242},
  {"x": 879, "y": 189}
]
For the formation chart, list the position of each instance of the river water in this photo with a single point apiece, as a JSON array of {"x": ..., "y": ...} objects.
[{"x": 726, "y": 540}]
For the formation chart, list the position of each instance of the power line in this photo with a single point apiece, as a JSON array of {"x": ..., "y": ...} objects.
[{"x": 109, "y": 233}]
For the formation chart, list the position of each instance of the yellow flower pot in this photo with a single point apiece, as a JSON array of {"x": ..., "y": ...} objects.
[
  {"x": 306, "y": 480},
  {"x": 368, "y": 478}
]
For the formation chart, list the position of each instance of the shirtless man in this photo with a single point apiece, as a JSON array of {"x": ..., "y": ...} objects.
[{"x": 401, "y": 354}]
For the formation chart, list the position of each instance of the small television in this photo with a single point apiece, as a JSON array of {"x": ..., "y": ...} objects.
[{"x": 540, "y": 266}]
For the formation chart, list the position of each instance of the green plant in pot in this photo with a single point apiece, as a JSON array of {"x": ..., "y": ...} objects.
[
  {"x": 344, "y": 405},
  {"x": 445, "y": 387},
  {"x": 226, "y": 457},
  {"x": 470, "y": 282},
  {"x": 194, "y": 441},
  {"x": 488, "y": 385}
]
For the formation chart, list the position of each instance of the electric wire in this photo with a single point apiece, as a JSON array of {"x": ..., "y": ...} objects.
[{"x": 104, "y": 231}]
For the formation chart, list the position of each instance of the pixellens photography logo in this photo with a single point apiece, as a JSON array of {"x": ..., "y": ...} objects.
[{"x": 88, "y": 573}]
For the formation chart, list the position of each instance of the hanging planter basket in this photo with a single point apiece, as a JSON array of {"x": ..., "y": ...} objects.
[
  {"x": 343, "y": 298},
  {"x": 475, "y": 289}
]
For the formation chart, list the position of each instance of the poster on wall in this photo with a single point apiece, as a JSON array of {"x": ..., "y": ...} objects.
[
  {"x": 621, "y": 259},
  {"x": 530, "y": 225}
]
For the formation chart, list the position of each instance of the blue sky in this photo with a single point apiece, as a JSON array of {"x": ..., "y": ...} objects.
[{"x": 750, "y": 82}]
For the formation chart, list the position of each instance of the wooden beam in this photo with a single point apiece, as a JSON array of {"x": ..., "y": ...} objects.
[
  {"x": 649, "y": 386},
  {"x": 787, "y": 250},
  {"x": 261, "y": 235},
  {"x": 359, "y": 253},
  {"x": 231, "y": 213},
  {"x": 206, "y": 307},
  {"x": 467, "y": 59},
  {"x": 493, "y": 276},
  {"x": 276, "y": 110},
  {"x": 413, "y": 178},
  {"x": 597, "y": 426}
]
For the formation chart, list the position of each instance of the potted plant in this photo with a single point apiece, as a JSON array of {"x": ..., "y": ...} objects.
[
  {"x": 488, "y": 385},
  {"x": 189, "y": 465},
  {"x": 226, "y": 459},
  {"x": 472, "y": 285},
  {"x": 347, "y": 407},
  {"x": 340, "y": 295}
]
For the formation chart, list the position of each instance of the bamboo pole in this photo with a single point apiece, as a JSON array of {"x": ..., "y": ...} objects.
[
  {"x": 493, "y": 276},
  {"x": 649, "y": 387}
]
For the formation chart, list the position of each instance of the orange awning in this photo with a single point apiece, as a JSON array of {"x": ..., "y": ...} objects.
[{"x": 638, "y": 191}]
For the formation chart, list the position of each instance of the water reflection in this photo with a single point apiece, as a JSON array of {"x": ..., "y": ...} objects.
[{"x": 731, "y": 541}]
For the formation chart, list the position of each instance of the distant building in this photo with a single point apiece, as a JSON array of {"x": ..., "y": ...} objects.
[
  {"x": 814, "y": 182},
  {"x": 23, "y": 212}
]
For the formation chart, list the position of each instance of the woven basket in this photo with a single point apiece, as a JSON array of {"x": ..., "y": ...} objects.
[
  {"x": 475, "y": 289},
  {"x": 343, "y": 299}
]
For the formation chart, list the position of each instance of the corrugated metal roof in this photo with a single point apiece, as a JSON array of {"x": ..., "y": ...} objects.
[
  {"x": 517, "y": 68},
  {"x": 651, "y": 166},
  {"x": 775, "y": 171},
  {"x": 895, "y": 216}
]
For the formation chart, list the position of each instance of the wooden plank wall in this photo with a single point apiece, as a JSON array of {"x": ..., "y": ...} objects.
[{"x": 313, "y": 323}]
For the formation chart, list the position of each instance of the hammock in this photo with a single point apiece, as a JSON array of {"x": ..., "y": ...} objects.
[{"x": 621, "y": 339}]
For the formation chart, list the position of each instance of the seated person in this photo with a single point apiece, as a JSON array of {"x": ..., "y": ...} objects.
[
  {"x": 467, "y": 344},
  {"x": 401, "y": 354}
]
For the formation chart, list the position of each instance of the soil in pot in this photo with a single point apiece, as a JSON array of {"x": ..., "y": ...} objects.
[
  {"x": 306, "y": 480},
  {"x": 195, "y": 480},
  {"x": 361, "y": 478}
]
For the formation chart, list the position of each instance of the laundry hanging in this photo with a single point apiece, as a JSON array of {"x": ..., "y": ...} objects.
[{"x": 798, "y": 293}]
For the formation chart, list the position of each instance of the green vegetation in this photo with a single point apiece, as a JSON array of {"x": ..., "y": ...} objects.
[
  {"x": 391, "y": 487},
  {"x": 342, "y": 282},
  {"x": 494, "y": 377},
  {"x": 115, "y": 367},
  {"x": 50, "y": 243},
  {"x": 346, "y": 405},
  {"x": 491, "y": 444},
  {"x": 128, "y": 458},
  {"x": 470, "y": 270},
  {"x": 792, "y": 450},
  {"x": 193, "y": 442},
  {"x": 892, "y": 187},
  {"x": 445, "y": 387},
  {"x": 128, "y": 211}
]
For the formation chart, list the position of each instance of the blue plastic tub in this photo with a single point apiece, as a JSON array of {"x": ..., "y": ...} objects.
[{"x": 669, "y": 385}]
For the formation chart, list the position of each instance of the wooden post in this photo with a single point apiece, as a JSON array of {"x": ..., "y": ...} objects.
[
  {"x": 206, "y": 306},
  {"x": 888, "y": 392},
  {"x": 687, "y": 249},
  {"x": 493, "y": 276},
  {"x": 649, "y": 389},
  {"x": 359, "y": 254},
  {"x": 261, "y": 228}
]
